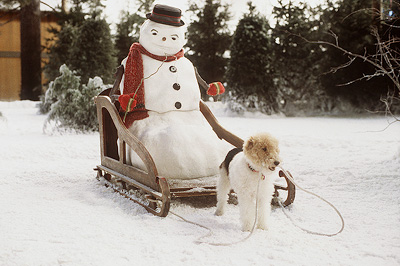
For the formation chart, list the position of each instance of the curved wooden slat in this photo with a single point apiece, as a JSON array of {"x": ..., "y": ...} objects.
[
  {"x": 221, "y": 132},
  {"x": 149, "y": 178},
  {"x": 291, "y": 189}
]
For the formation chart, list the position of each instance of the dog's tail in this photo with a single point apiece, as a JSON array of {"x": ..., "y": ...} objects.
[{"x": 229, "y": 157}]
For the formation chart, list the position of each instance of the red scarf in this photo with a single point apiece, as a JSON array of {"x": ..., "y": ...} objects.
[{"x": 134, "y": 79}]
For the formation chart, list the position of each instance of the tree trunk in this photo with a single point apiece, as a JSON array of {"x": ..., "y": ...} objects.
[
  {"x": 376, "y": 12},
  {"x": 31, "y": 79},
  {"x": 64, "y": 6}
]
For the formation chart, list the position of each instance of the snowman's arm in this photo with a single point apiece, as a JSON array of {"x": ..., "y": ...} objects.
[
  {"x": 116, "y": 87},
  {"x": 121, "y": 86},
  {"x": 203, "y": 84},
  {"x": 212, "y": 89}
]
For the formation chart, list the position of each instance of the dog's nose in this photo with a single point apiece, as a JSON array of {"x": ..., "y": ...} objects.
[{"x": 276, "y": 163}]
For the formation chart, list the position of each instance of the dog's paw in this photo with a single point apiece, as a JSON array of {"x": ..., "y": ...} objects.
[
  {"x": 263, "y": 226},
  {"x": 219, "y": 212},
  {"x": 247, "y": 227}
]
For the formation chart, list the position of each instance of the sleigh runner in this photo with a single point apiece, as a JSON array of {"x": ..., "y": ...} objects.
[{"x": 146, "y": 187}]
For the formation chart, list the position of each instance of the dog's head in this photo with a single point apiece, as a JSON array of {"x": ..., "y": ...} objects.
[{"x": 262, "y": 150}]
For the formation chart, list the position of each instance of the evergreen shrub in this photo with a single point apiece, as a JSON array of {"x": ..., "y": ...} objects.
[
  {"x": 85, "y": 47},
  {"x": 70, "y": 104}
]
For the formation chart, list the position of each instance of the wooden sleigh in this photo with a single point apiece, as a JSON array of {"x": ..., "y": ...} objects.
[{"x": 155, "y": 192}]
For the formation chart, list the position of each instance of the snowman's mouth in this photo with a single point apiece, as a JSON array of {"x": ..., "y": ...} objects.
[
  {"x": 161, "y": 46},
  {"x": 166, "y": 49}
]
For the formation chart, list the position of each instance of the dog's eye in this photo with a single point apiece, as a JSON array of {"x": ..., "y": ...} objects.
[{"x": 264, "y": 149}]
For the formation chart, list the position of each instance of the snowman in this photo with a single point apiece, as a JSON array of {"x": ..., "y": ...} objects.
[{"x": 161, "y": 95}]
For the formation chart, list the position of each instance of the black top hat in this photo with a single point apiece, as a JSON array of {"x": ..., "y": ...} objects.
[{"x": 166, "y": 15}]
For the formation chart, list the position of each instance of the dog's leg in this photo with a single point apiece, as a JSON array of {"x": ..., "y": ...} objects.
[
  {"x": 263, "y": 213},
  {"x": 247, "y": 210},
  {"x": 223, "y": 188},
  {"x": 264, "y": 205}
]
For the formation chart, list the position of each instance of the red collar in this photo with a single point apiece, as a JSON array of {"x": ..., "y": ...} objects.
[{"x": 255, "y": 171}]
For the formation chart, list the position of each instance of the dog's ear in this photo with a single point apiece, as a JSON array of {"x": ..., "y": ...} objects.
[{"x": 249, "y": 143}]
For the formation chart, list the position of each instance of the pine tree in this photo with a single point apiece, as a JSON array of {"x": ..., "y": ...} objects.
[
  {"x": 84, "y": 44},
  {"x": 60, "y": 52},
  {"x": 129, "y": 26},
  {"x": 84, "y": 54},
  {"x": 209, "y": 39},
  {"x": 297, "y": 63},
  {"x": 93, "y": 52},
  {"x": 125, "y": 34},
  {"x": 249, "y": 73}
]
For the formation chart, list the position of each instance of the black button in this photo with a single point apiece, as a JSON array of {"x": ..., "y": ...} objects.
[
  {"x": 173, "y": 69},
  {"x": 178, "y": 105},
  {"x": 176, "y": 86}
]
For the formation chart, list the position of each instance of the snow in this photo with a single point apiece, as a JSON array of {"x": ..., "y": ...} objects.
[{"x": 54, "y": 211}]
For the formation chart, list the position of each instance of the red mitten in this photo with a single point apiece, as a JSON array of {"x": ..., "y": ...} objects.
[
  {"x": 127, "y": 99},
  {"x": 215, "y": 88}
]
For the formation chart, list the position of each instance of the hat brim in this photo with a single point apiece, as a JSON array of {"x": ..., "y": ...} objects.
[{"x": 166, "y": 22}]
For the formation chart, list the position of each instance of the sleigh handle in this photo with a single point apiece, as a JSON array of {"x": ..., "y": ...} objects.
[{"x": 221, "y": 132}]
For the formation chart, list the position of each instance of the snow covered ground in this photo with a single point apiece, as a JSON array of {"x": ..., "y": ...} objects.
[{"x": 54, "y": 212}]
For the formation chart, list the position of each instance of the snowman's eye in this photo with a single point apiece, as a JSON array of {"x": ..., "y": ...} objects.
[
  {"x": 174, "y": 37},
  {"x": 154, "y": 32}
]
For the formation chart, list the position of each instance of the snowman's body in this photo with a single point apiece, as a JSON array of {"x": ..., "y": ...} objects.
[
  {"x": 181, "y": 142},
  {"x": 174, "y": 87}
]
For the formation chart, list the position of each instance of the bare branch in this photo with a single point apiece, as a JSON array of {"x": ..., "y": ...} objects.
[
  {"x": 48, "y": 5},
  {"x": 386, "y": 62},
  {"x": 379, "y": 65},
  {"x": 335, "y": 69}
]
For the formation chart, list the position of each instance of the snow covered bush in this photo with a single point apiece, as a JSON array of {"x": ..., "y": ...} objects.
[
  {"x": 58, "y": 87},
  {"x": 70, "y": 104},
  {"x": 252, "y": 103}
]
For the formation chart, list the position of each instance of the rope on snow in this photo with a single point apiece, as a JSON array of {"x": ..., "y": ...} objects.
[{"x": 210, "y": 232}]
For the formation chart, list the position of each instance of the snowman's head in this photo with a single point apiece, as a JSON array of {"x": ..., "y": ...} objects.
[{"x": 161, "y": 39}]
